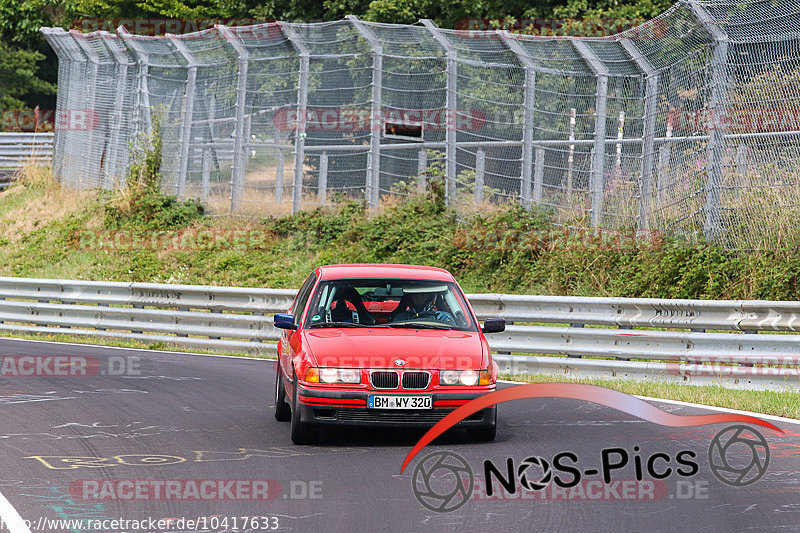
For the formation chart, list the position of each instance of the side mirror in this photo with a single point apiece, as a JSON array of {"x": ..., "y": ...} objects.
[
  {"x": 494, "y": 325},
  {"x": 284, "y": 321}
]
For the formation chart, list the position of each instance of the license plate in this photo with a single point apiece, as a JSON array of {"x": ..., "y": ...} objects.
[{"x": 400, "y": 402}]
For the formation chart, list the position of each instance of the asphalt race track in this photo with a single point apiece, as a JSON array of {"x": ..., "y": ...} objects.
[{"x": 170, "y": 416}]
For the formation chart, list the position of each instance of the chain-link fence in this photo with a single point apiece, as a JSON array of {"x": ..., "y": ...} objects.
[{"x": 687, "y": 123}]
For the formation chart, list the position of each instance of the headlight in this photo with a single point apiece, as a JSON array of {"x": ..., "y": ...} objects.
[
  {"x": 469, "y": 377},
  {"x": 466, "y": 378},
  {"x": 449, "y": 377},
  {"x": 339, "y": 375}
]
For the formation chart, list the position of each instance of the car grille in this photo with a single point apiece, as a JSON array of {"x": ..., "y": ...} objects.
[
  {"x": 384, "y": 379},
  {"x": 416, "y": 380}
]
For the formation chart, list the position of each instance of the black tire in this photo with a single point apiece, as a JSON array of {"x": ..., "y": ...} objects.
[
  {"x": 283, "y": 411},
  {"x": 484, "y": 433},
  {"x": 302, "y": 432}
]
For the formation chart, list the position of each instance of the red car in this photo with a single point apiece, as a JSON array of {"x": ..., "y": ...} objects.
[{"x": 382, "y": 345}]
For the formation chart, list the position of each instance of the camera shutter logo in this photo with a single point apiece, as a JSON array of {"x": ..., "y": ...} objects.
[
  {"x": 544, "y": 480},
  {"x": 738, "y": 456},
  {"x": 442, "y": 481}
]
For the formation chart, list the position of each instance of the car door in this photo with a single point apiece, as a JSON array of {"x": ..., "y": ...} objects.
[{"x": 289, "y": 343}]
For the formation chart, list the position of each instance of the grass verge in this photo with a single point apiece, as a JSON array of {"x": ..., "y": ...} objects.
[
  {"x": 778, "y": 403},
  {"x": 120, "y": 343}
]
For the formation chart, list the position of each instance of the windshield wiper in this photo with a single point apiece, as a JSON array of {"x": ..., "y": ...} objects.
[
  {"x": 341, "y": 325},
  {"x": 419, "y": 325}
]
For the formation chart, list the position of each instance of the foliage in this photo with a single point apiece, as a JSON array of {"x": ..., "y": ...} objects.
[
  {"x": 500, "y": 249},
  {"x": 140, "y": 203}
]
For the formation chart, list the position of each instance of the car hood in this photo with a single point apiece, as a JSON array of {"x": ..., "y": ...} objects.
[{"x": 384, "y": 348}]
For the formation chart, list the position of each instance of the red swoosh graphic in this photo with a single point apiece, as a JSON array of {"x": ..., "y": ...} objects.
[{"x": 575, "y": 391}]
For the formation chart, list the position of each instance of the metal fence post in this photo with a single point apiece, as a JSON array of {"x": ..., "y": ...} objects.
[
  {"x": 527, "y": 117},
  {"x": 664, "y": 156},
  {"x": 143, "y": 89},
  {"x": 451, "y": 150},
  {"x": 422, "y": 170},
  {"x": 278, "y": 175},
  {"x": 648, "y": 129},
  {"x": 188, "y": 113},
  {"x": 741, "y": 159},
  {"x": 302, "y": 104},
  {"x": 480, "y": 167},
  {"x": 113, "y": 44},
  {"x": 322, "y": 191},
  {"x": 538, "y": 175},
  {"x": 239, "y": 141},
  {"x": 712, "y": 227},
  {"x": 205, "y": 184},
  {"x": 598, "y": 162},
  {"x": 376, "y": 122},
  {"x": 92, "y": 165}
]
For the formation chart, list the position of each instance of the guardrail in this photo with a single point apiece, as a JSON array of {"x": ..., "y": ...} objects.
[
  {"x": 17, "y": 148},
  {"x": 240, "y": 319}
]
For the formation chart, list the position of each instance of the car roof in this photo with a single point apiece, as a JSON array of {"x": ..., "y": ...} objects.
[{"x": 369, "y": 271}]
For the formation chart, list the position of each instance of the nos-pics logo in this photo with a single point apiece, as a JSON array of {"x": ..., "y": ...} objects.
[{"x": 443, "y": 481}]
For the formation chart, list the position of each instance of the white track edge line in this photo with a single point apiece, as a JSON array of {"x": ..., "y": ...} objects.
[
  {"x": 698, "y": 405},
  {"x": 11, "y": 518}
]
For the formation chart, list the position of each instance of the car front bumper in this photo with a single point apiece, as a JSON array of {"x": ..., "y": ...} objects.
[{"x": 349, "y": 408}]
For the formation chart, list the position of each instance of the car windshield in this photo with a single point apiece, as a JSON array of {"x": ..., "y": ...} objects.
[{"x": 395, "y": 303}]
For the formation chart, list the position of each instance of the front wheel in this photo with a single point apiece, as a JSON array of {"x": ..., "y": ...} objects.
[
  {"x": 283, "y": 412},
  {"x": 302, "y": 432},
  {"x": 484, "y": 433}
]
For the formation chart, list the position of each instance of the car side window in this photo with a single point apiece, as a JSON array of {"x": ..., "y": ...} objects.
[{"x": 302, "y": 297}]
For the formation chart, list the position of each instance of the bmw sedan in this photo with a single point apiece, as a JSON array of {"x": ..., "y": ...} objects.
[{"x": 382, "y": 345}]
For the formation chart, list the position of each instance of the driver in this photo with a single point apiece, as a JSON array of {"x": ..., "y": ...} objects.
[{"x": 420, "y": 305}]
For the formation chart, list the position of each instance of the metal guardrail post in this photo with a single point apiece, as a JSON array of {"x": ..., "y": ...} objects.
[
  {"x": 712, "y": 227},
  {"x": 527, "y": 121},
  {"x": 451, "y": 113},
  {"x": 188, "y": 112},
  {"x": 239, "y": 141},
  {"x": 648, "y": 130},
  {"x": 598, "y": 163},
  {"x": 376, "y": 121},
  {"x": 302, "y": 104}
]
